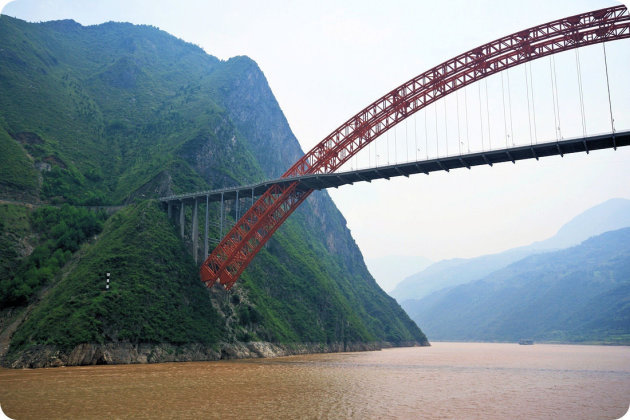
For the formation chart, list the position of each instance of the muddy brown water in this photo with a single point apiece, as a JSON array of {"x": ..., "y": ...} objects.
[{"x": 446, "y": 380}]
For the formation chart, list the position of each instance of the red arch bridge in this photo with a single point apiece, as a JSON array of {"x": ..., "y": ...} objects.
[{"x": 273, "y": 201}]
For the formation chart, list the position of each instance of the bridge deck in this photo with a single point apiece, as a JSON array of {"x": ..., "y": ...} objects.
[{"x": 323, "y": 181}]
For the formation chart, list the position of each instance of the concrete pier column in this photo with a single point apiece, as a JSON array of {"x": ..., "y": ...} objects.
[
  {"x": 195, "y": 230},
  {"x": 170, "y": 210},
  {"x": 205, "y": 236},
  {"x": 181, "y": 218},
  {"x": 221, "y": 217}
]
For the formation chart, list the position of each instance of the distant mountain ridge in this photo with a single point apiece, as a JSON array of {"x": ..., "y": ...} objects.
[
  {"x": 578, "y": 294},
  {"x": 610, "y": 215},
  {"x": 389, "y": 270}
]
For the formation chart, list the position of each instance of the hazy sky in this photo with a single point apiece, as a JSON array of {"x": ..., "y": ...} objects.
[{"x": 326, "y": 60}]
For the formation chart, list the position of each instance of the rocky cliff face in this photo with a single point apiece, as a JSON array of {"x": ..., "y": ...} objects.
[
  {"x": 253, "y": 109},
  {"x": 128, "y": 353},
  {"x": 132, "y": 113}
]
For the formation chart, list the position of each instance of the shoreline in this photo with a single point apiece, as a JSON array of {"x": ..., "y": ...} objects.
[{"x": 88, "y": 354}]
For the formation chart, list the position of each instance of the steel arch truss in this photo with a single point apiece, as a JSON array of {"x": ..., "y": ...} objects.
[{"x": 238, "y": 247}]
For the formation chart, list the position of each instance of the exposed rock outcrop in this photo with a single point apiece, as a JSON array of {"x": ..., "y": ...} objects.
[{"x": 128, "y": 353}]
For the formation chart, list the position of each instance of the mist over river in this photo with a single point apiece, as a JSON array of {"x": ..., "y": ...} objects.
[{"x": 446, "y": 380}]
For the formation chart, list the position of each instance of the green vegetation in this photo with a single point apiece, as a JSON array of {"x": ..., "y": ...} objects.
[
  {"x": 580, "y": 294},
  {"x": 61, "y": 231},
  {"x": 154, "y": 293},
  {"x": 14, "y": 229},
  {"x": 16, "y": 170},
  {"x": 120, "y": 114},
  {"x": 106, "y": 111},
  {"x": 314, "y": 284}
]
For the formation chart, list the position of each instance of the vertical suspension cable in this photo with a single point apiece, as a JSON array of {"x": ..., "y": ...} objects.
[
  {"x": 529, "y": 117},
  {"x": 415, "y": 133},
  {"x": 466, "y": 106},
  {"x": 426, "y": 134},
  {"x": 445, "y": 126},
  {"x": 406, "y": 139},
  {"x": 480, "y": 114},
  {"x": 553, "y": 97},
  {"x": 377, "y": 155},
  {"x": 505, "y": 133},
  {"x": 507, "y": 72},
  {"x": 373, "y": 147},
  {"x": 395, "y": 145},
  {"x": 437, "y": 135},
  {"x": 531, "y": 84},
  {"x": 387, "y": 147},
  {"x": 376, "y": 152},
  {"x": 579, "y": 73},
  {"x": 488, "y": 115},
  {"x": 382, "y": 142},
  {"x": 459, "y": 136},
  {"x": 351, "y": 158},
  {"x": 612, "y": 120},
  {"x": 559, "y": 128},
  {"x": 356, "y": 161}
]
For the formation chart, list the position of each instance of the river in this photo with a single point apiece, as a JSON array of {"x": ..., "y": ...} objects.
[{"x": 446, "y": 380}]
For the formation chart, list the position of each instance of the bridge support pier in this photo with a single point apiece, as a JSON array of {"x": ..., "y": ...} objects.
[
  {"x": 205, "y": 236},
  {"x": 181, "y": 218},
  {"x": 221, "y": 218},
  {"x": 170, "y": 210},
  {"x": 195, "y": 231}
]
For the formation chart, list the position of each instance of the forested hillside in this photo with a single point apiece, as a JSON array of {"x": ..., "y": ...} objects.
[
  {"x": 579, "y": 294},
  {"x": 118, "y": 114}
]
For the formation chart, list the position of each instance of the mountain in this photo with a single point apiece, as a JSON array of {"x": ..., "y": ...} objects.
[
  {"x": 579, "y": 294},
  {"x": 610, "y": 215},
  {"x": 452, "y": 272},
  {"x": 390, "y": 270},
  {"x": 116, "y": 115}
]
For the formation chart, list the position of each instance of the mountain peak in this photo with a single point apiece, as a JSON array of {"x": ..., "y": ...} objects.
[{"x": 610, "y": 215}]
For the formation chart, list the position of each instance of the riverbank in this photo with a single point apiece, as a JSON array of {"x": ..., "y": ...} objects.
[{"x": 128, "y": 353}]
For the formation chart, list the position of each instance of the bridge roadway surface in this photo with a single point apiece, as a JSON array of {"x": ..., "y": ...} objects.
[{"x": 490, "y": 157}]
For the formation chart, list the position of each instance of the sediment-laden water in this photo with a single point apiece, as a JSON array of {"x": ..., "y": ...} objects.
[{"x": 447, "y": 380}]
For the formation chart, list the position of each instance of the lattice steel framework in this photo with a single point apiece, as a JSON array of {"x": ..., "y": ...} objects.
[{"x": 236, "y": 250}]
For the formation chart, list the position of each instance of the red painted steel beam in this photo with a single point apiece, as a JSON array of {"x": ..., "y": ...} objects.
[{"x": 236, "y": 250}]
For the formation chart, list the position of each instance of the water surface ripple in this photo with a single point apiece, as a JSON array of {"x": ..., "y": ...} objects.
[{"x": 447, "y": 380}]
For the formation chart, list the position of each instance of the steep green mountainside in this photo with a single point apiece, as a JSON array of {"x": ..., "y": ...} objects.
[
  {"x": 155, "y": 300},
  {"x": 580, "y": 294},
  {"x": 104, "y": 110},
  {"x": 118, "y": 114}
]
